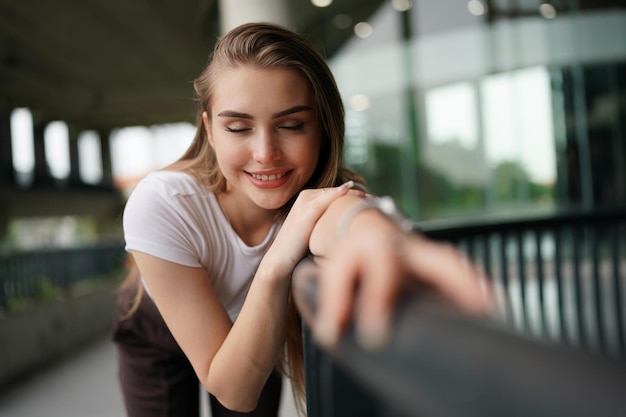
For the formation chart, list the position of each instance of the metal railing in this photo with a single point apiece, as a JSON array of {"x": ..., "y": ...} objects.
[
  {"x": 440, "y": 363},
  {"x": 25, "y": 275},
  {"x": 556, "y": 350},
  {"x": 560, "y": 277}
]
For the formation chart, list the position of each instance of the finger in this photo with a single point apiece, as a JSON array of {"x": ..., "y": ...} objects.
[
  {"x": 341, "y": 189},
  {"x": 321, "y": 198},
  {"x": 448, "y": 271},
  {"x": 312, "y": 203},
  {"x": 337, "y": 279},
  {"x": 378, "y": 289},
  {"x": 346, "y": 185}
]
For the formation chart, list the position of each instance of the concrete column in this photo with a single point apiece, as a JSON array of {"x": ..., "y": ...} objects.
[
  {"x": 74, "y": 177},
  {"x": 42, "y": 173},
  {"x": 105, "y": 154},
  {"x": 411, "y": 157},
  {"x": 236, "y": 12},
  {"x": 7, "y": 170},
  {"x": 4, "y": 218}
]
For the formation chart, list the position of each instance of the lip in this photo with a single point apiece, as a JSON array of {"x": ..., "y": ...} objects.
[{"x": 269, "y": 179}]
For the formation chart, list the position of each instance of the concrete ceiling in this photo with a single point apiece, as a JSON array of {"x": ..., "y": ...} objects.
[{"x": 101, "y": 64}]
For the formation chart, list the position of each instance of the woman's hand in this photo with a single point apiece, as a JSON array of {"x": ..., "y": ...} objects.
[
  {"x": 363, "y": 275},
  {"x": 292, "y": 241}
]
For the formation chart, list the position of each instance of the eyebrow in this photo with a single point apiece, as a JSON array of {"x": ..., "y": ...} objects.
[
  {"x": 232, "y": 113},
  {"x": 291, "y": 110}
]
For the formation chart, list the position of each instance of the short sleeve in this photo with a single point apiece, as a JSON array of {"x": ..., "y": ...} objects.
[{"x": 155, "y": 223}]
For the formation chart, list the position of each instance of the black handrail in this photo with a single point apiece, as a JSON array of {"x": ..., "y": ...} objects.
[
  {"x": 449, "y": 229},
  {"x": 440, "y": 363}
]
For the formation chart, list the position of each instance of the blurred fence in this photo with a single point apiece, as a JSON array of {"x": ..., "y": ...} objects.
[
  {"x": 559, "y": 277},
  {"x": 29, "y": 274},
  {"x": 557, "y": 349}
]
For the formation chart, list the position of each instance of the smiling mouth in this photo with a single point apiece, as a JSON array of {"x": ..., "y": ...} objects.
[{"x": 270, "y": 177}]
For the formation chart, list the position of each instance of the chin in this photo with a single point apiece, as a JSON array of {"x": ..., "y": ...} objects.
[{"x": 270, "y": 203}]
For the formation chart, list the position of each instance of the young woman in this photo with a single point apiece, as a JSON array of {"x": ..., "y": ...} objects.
[{"x": 216, "y": 236}]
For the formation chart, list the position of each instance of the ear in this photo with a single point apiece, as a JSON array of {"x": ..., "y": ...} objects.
[{"x": 207, "y": 127}]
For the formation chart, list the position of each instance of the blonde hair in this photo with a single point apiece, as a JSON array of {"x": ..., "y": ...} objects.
[{"x": 265, "y": 45}]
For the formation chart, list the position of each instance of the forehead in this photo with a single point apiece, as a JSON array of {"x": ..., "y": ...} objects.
[{"x": 246, "y": 87}]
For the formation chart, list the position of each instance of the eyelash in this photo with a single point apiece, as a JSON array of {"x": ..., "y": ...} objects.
[
  {"x": 294, "y": 127},
  {"x": 232, "y": 130}
]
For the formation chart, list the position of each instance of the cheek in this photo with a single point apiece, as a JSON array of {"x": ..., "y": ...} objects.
[
  {"x": 229, "y": 155},
  {"x": 315, "y": 146},
  {"x": 308, "y": 155}
]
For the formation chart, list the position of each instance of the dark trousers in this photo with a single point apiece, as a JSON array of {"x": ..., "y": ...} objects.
[{"x": 156, "y": 377}]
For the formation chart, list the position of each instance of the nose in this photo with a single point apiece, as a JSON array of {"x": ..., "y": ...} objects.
[{"x": 266, "y": 147}]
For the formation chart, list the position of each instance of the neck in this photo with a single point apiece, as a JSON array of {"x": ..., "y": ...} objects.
[{"x": 251, "y": 223}]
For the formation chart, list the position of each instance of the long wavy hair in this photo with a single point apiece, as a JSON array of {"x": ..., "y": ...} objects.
[{"x": 265, "y": 45}]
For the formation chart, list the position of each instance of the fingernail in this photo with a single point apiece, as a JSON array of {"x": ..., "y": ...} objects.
[
  {"x": 374, "y": 334},
  {"x": 346, "y": 185},
  {"x": 326, "y": 333}
]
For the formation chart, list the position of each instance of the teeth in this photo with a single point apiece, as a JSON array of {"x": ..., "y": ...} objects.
[{"x": 271, "y": 177}]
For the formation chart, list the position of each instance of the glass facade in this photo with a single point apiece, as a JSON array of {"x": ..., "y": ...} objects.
[{"x": 468, "y": 108}]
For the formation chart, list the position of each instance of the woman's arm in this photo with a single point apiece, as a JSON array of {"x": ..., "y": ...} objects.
[
  {"x": 383, "y": 260},
  {"x": 234, "y": 360},
  {"x": 231, "y": 360}
]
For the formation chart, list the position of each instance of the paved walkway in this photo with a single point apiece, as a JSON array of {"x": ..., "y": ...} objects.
[{"x": 84, "y": 385}]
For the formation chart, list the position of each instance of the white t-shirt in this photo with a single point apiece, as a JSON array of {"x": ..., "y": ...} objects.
[{"x": 169, "y": 215}]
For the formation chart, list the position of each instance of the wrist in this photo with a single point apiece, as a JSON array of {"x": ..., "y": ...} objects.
[
  {"x": 276, "y": 270},
  {"x": 384, "y": 205}
]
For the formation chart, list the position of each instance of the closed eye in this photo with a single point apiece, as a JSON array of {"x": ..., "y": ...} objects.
[
  {"x": 236, "y": 130},
  {"x": 293, "y": 127}
]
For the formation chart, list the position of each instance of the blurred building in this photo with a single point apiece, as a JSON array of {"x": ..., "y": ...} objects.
[
  {"x": 455, "y": 107},
  {"x": 492, "y": 106}
]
